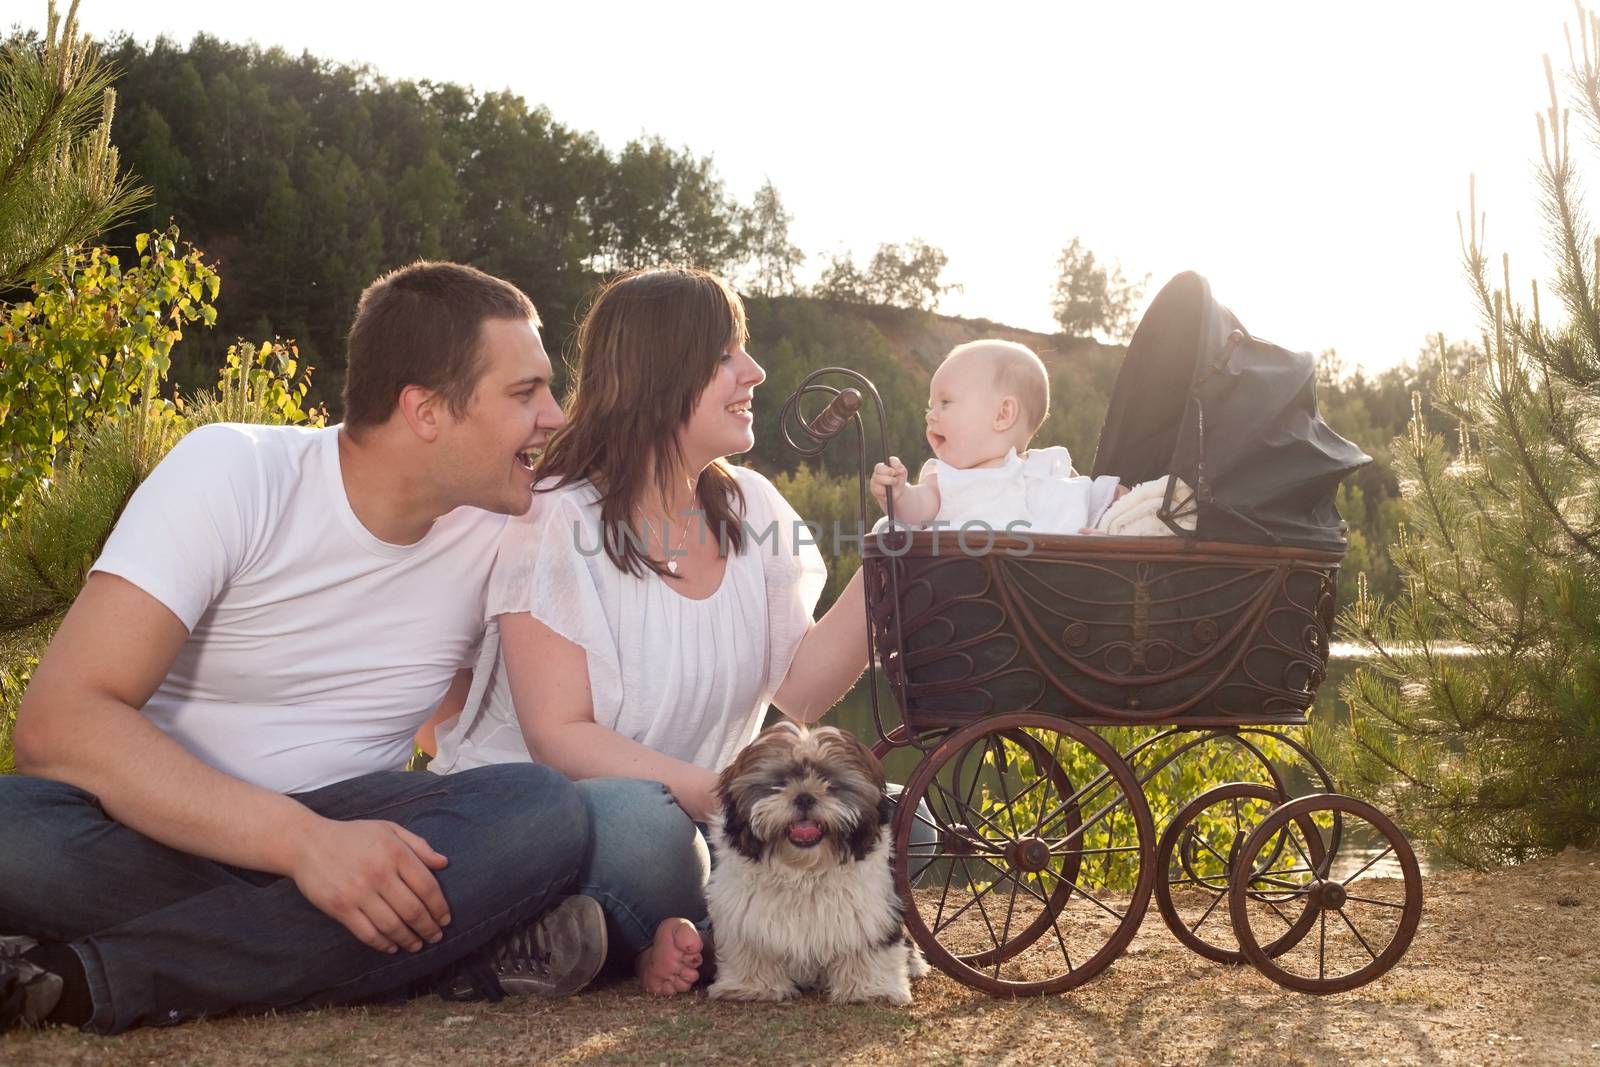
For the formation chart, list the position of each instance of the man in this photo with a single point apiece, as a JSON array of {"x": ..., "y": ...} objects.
[{"x": 211, "y": 814}]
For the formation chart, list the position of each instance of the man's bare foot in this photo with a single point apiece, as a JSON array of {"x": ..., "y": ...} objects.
[{"x": 672, "y": 962}]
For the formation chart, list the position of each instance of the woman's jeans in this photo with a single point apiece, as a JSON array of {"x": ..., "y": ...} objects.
[
  {"x": 165, "y": 936},
  {"x": 649, "y": 860}
]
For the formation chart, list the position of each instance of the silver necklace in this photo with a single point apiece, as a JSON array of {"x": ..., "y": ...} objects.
[{"x": 672, "y": 553}]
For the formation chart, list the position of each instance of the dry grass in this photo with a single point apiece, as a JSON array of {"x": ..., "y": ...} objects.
[{"x": 1505, "y": 969}]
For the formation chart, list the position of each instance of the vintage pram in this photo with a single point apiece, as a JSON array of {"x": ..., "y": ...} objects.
[{"x": 1024, "y": 844}]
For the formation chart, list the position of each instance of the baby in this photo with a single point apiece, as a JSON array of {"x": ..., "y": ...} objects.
[{"x": 985, "y": 403}]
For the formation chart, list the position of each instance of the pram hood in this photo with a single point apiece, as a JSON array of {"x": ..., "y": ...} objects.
[{"x": 1232, "y": 415}]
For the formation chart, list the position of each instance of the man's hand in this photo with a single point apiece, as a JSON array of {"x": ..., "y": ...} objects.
[
  {"x": 886, "y": 476},
  {"x": 375, "y": 878}
]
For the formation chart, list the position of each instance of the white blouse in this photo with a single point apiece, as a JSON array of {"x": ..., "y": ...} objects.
[
  {"x": 1038, "y": 488},
  {"x": 689, "y": 678}
]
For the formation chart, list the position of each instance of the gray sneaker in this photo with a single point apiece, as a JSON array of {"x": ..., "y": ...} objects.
[
  {"x": 28, "y": 992},
  {"x": 558, "y": 953}
]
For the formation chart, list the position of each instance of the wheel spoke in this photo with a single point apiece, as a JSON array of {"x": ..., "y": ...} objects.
[
  {"x": 1019, "y": 798},
  {"x": 977, "y": 898},
  {"x": 1054, "y": 916},
  {"x": 979, "y": 901},
  {"x": 1102, "y": 905},
  {"x": 950, "y": 798},
  {"x": 935, "y": 827},
  {"x": 1322, "y": 945},
  {"x": 1379, "y": 903},
  {"x": 1005, "y": 928},
  {"x": 1207, "y": 846},
  {"x": 1278, "y": 913},
  {"x": 1368, "y": 865},
  {"x": 1294, "y": 843},
  {"x": 1275, "y": 876},
  {"x": 1075, "y": 801},
  {"x": 998, "y": 745},
  {"x": 1011, "y": 876},
  {"x": 1103, "y": 849},
  {"x": 1208, "y": 911},
  {"x": 944, "y": 894},
  {"x": 1359, "y": 938},
  {"x": 1221, "y": 885},
  {"x": 977, "y": 777},
  {"x": 1083, "y": 827}
]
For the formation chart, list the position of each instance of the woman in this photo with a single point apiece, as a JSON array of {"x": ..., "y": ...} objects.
[{"x": 651, "y": 605}]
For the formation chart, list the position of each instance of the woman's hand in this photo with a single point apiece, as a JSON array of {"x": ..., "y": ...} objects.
[{"x": 549, "y": 677}]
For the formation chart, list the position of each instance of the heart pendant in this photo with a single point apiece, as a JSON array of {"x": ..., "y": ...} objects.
[{"x": 672, "y": 565}]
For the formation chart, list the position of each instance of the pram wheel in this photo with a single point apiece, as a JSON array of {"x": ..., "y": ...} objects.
[
  {"x": 1366, "y": 893},
  {"x": 1042, "y": 865},
  {"x": 1196, "y": 860}
]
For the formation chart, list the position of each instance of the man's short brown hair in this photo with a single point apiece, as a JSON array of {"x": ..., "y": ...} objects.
[{"x": 420, "y": 325}]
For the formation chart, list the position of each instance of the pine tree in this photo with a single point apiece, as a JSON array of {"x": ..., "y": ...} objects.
[
  {"x": 59, "y": 180},
  {"x": 1478, "y": 718}
]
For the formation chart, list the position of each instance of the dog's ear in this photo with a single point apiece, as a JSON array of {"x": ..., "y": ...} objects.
[
  {"x": 737, "y": 830},
  {"x": 885, "y": 809},
  {"x": 866, "y": 834}
]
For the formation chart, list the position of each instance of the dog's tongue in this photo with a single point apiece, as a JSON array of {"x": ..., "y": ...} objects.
[{"x": 805, "y": 832}]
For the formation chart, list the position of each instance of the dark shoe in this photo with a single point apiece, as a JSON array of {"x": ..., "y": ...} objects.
[
  {"x": 28, "y": 992},
  {"x": 554, "y": 955}
]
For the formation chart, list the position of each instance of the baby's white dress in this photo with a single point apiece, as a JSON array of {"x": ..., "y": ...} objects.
[
  {"x": 1038, "y": 488},
  {"x": 689, "y": 678}
]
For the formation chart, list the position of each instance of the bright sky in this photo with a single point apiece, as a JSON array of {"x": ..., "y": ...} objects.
[{"x": 1308, "y": 158}]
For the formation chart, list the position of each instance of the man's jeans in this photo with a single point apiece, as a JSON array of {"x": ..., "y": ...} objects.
[{"x": 166, "y": 936}]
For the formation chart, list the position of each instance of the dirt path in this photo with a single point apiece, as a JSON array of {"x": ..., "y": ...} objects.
[{"x": 1505, "y": 969}]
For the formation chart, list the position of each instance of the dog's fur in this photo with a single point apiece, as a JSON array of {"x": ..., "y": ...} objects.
[{"x": 789, "y": 914}]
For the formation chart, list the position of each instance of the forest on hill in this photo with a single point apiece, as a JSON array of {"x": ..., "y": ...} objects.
[{"x": 303, "y": 179}]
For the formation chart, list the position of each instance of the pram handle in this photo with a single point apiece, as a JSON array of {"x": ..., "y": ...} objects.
[
  {"x": 836, "y": 416},
  {"x": 845, "y": 408}
]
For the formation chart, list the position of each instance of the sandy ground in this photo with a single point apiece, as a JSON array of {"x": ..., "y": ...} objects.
[{"x": 1504, "y": 969}]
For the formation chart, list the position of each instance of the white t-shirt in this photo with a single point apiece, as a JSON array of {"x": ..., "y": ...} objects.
[
  {"x": 688, "y": 678},
  {"x": 315, "y": 650},
  {"x": 1038, "y": 488}
]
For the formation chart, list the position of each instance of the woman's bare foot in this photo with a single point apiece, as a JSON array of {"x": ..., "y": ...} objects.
[{"x": 672, "y": 962}]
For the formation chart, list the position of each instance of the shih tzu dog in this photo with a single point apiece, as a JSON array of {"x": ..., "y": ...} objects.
[{"x": 801, "y": 895}]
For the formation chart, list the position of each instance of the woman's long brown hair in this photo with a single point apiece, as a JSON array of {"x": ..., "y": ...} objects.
[{"x": 647, "y": 349}]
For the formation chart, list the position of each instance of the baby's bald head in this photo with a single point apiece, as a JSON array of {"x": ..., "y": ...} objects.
[{"x": 1017, "y": 372}]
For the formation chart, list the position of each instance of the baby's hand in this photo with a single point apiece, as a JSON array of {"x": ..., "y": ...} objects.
[
  {"x": 886, "y": 476},
  {"x": 1090, "y": 531}
]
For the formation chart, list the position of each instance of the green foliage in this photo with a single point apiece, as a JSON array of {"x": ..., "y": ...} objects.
[
  {"x": 310, "y": 178},
  {"x": 833, "y": 504},
  {"x": 58, "y": 531},
  {"x": 92, "y": 339},
  {"x": 773, "y": 260},
  {"x": 793, "y": 337},
  {"x": 1090, "y": 299},
  {"x": 902, "y": 276},
  {"x": 261, "y": 384},
  {"x": 662, "y": 206},
  {"x": 59, "y": 180},
  {"x": 1478, "y": 719}
]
